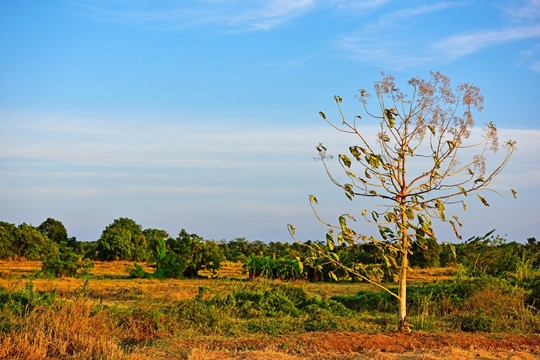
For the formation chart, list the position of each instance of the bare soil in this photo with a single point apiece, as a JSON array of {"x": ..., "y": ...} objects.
[{"x": 351, "y": 346}]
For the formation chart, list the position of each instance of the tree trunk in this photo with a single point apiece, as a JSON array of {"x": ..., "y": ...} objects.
[{"x": 402, "y": 307}]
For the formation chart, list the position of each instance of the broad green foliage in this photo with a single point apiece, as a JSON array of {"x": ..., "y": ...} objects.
[
  {"x": 66, "y": 263},
  {"x": 54, "y": 230},
  {"x": 283, "y": 268},
  {"x": 30, "y": 243},
  {"x": 262, "y": 308},
  {"x": 153, "y": 237},
  {"x": 122, "y": 240},
  {"x": 197, "y": 253},
  {"x": 182, "y": 257},
  {"x": 419, "y": 163},
  {"x": 493, "y": 255}
]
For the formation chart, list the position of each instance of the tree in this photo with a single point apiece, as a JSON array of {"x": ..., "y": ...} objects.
[
  {"x": 182, "y": 257},
  {"x": 420, "y": 163},
  {"x": 7, "y": 239},
  {"x": 153, "y": 238},
  {"x": 122, "y": 240},
  {"x": 30, "y": 243},
  {"x": 54, "y": 230},
  {"x": 199, "y": 254}
]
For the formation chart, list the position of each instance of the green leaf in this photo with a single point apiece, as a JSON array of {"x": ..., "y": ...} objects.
[
  {"x": 441, "y": 214},
  {"x": 300, "y": 264},
  {"x": 355, "y": 151},
  {"x": 483, "y": 200},
  {"x": 333, "y": 276},
  {"x": 389, "y": 116},
  {"x": 330, "y": 242},
  {"x": 323, "y": 115},
  {"x": 457, "y": 220},
  {"x": 346, "y": 160},
  {"x": 291, "y": 228},
  {"x": 455, "y": 229},
  {"x": 342, "y": 222}
]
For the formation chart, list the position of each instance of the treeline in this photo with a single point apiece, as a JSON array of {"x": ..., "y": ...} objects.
[{"x": 186, "y": 254}]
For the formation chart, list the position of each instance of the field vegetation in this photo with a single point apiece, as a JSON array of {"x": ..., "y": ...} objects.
[
  {"x": 107, "y": 314},
  {"x": 60, "y": 299}
]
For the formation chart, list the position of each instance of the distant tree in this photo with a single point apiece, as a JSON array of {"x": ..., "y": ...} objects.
[
  {"x": 153, "y": 237},
  {"x": 122, "y": 240},
  {"x": 183, "y": 257},
  {"x": 30, "y": 243},
  {"x": 54, "y": 230},
  {"x": 426, "y": 255},
  {"x": 421, "y": 162},
  {"x": 236, "y": 250},
  {"x": 488, "y": 254},
  {"x": 7, "y": 240},
  {"x": 199, "y": 254}
]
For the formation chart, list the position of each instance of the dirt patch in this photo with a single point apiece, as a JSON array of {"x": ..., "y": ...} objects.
[{"x": 350, "y": 346}]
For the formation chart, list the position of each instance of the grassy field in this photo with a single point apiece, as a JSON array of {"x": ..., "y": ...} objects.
[{"x": 108, "y": 315}]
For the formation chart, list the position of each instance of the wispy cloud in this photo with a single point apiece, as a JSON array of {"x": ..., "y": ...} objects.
[
  {"x": 359, "y": 6},
  {"x": 393, "y": 40},
  {"x": 523, "y": 9},
  {"x": 458, "y": 46},
  {"x": 397, "y": 17},
  {"x": 388, "y": 41},
  {"x": 280, "y": 67},
  {"x": 233, "y": 14},
  {"x": 536, "y": 66}
]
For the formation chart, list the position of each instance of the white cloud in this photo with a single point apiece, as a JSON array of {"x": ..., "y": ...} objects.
[
  {"x": 392, "y": 40},
  {"x": 460, "y": 45},
  {"x": 536, "y": 66},
  {"x": 235, "y": 14},
  {"x": 523, "y": 9},
  {"x": 359, "y": 6}
]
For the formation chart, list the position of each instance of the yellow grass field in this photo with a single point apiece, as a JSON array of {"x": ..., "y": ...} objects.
[
  {"x": 109, "y": 281},
  {"x": 75, "y": 331}
]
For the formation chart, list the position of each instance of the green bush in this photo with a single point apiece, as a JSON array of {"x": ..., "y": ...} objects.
[
  {"x": 262, "y": 308},
  {"x": 66, "y": 263},
  {"x": 22, "y": 302}
]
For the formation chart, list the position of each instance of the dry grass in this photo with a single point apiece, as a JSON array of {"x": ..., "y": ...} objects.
[
  {"x": 70, "y": 331},
  {"x": 74, "y": 329},
  {"x": 108, "y": 282}
]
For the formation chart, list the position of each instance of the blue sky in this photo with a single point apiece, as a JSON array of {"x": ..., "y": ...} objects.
[{"x": 203, "y": 114}]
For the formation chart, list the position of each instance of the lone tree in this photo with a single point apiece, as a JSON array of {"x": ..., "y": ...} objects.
[{"x": 423, "y": 159}]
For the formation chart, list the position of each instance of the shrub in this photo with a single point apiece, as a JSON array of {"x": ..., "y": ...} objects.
[{"x": 66, "y": 263}]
